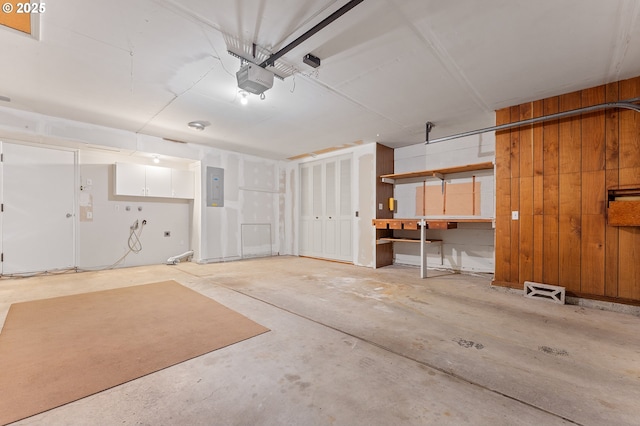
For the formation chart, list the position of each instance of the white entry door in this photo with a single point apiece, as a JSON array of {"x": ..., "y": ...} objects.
[
  {"x": 326, "y": 209},
  {"x": 38, "y": 226}
]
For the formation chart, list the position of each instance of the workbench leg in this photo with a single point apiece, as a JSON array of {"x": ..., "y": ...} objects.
[{"x": 423, "y": 244}]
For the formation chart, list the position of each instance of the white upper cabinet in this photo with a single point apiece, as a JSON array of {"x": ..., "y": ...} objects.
[
  {"x": 153, "y": 181},
  {"x": 130, "y": 179},
  {"x": 158, "y": 181},
  {"x": 182, "y": 183}
]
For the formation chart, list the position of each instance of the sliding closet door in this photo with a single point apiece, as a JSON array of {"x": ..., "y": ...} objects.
[
  {"x": 38, "y": 202},
  {"x": 326, "y": 213}
]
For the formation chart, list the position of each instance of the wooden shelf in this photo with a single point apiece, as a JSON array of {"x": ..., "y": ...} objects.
[{"x": 435, "y": 173}]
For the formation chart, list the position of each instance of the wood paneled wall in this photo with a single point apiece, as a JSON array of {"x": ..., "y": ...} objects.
[
  {"x": 384, "y": 191},
  {"x": 556, "y": 175}
]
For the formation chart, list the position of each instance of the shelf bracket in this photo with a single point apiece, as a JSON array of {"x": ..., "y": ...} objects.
[
  {"x": 388, "y": 180},
  {"x": 428, "y": 127},
  {"x": 438, "y": 175}
]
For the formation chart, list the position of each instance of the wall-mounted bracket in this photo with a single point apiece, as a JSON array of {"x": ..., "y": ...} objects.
[{"x": 428, "y": 127}]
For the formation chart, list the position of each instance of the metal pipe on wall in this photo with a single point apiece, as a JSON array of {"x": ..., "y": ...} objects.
[{"x": 622, "y": 104}]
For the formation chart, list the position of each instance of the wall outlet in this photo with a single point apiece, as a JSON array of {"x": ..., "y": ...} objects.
[
  {"x": 89, "y": 215},
  {"x": 514, "y": 215}
]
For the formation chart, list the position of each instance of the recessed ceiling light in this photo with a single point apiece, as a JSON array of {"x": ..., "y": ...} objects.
[{"x": 198, "y": 125}]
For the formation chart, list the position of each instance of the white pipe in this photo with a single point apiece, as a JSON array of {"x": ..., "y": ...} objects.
[
  {"x": 174, "y": 260},
  {"x": 622, "y": 104}
]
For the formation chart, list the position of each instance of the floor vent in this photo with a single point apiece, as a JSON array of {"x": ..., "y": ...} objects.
[{"x": 553, "y": 293}]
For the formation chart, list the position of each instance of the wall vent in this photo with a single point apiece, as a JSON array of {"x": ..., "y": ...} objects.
[{"x": 553, "y": 293}]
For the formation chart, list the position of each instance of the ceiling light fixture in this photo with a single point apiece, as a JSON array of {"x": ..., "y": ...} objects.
[
  {"x": 198, "y": 125},
  {"x": 156, "y": 159},
  {"x": 244, "y": 97}
]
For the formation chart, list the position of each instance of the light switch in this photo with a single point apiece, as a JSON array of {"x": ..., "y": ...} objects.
[
  {"x": 514, "y": 215},
  {"x": 380, "y": 206}
]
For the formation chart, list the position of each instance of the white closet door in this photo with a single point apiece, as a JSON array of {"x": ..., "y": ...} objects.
[
  {"x": 345, "y": 218},
  {"x": 330, "y": 233},
  {"x": 326, "y": 209},
  {"x": 306, "y": 210},
  {"x": 318, "y": 211},
  {"x": 38, "y": 226}
]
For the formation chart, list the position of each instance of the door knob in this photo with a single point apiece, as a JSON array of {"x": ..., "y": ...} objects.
[{"x": 69, "y": 215}]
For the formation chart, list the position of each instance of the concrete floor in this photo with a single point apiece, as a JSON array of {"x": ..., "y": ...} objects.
[{"x": 356, "y": 346}]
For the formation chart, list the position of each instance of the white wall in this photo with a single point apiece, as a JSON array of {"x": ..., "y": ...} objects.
[
  {"x": 470, "y": 247},
  {"x": 103, "y": 238},
  {"x": 254, "y": 193},
  {"x": 253, "y": 189}
]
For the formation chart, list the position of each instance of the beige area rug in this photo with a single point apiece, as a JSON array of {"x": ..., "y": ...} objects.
[{"x": 55, "y": 351}]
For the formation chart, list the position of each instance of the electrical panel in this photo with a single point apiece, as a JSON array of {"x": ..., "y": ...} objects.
[{"x": 215, "y": 187}]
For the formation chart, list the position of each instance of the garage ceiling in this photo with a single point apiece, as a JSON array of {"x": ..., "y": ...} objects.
[{"x": 388, "y": 66}]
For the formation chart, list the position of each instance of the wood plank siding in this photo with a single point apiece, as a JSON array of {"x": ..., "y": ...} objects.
[{"x": 556, "y": 175}]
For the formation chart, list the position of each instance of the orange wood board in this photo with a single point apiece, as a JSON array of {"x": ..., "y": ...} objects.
[
  {"x": 624, "y": 213},
  {"x": 457, "y": 199},
  {"x": 443, "y": 171}
]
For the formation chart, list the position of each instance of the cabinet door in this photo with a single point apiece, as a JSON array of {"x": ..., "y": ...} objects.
[
  {"x": 130, "y": 179},
  {"x": 158, "y": 181},
  {"x": 182, "y": 182}
]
